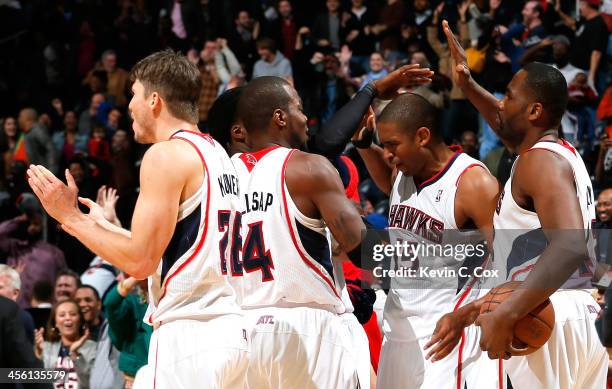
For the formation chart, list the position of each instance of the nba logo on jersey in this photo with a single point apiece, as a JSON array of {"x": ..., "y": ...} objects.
[{"x": 439, "y": 195}]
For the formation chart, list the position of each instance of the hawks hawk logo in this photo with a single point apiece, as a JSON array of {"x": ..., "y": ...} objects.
[
  {"x": 208, "y": 138},
  {"x": 250, "y": 159}
]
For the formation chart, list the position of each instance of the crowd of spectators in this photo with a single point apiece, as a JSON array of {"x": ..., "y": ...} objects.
[{"x": 65, "y": 89}]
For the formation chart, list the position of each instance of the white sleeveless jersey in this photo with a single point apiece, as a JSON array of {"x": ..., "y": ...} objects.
[
  {"x": 286, "y": 256},
  {"x": 425, "y": 214},
  {"x": 189, "y": 282},
  {"x": 519, "y": 239}
]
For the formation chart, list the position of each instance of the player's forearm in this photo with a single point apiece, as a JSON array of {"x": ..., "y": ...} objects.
[
  {"x": 554, "y": 267},
  {"x": 468, "y": 313},
  {"x": 379, "y": 170},
  {"x": 111, "y": 243},
  {"x": 337, "y": 132},
  {"x": 484, "y": 102},
  {"x": 114, "y": 226}
]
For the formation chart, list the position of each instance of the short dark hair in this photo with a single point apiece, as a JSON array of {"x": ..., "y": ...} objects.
[
  {"x": 94, "y": 290},
  {"x": 410, "y": 112},
  {"x": 69, "y": 272},
  {"x": 222, "y": 115},
  {"x": 43, "y": 291},
  {"x": 266, "y": 43},
  {"x": 549, "y": 88},
  {"x": 259, "y": 99},
  {"x": 176, "y": 79}
]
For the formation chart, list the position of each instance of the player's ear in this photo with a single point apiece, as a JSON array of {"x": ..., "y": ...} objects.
[
  {"x": 155, "y": 102},
  {"x": 279, "y": 117},
  {"x": 238, "y": 133},
  {"x": 422, "y": 135},
  {"x": 535, "y": 111}
]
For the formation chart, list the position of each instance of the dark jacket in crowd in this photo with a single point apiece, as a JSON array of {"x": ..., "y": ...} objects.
[
  {"x": 40, "y": 148},
  {"x": 15, "y": 350}
]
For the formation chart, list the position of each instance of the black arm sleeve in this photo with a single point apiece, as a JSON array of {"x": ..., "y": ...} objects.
[
  {"x": 362, "y": 255},
  {"x": 334, "y": 135}
]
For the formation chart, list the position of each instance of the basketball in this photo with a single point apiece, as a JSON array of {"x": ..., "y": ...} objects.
[{"x": 533, "y": 330}]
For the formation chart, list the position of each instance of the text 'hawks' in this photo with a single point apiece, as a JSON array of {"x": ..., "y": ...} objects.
[{"x": 417, "y": 221}]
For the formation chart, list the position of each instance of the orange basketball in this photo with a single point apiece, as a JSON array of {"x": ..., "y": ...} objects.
[{"x": 532, "y": 330}]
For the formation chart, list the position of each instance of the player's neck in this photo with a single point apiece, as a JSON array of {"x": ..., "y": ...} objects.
[
  {"x": 257, "y": 144},
  {"x": 438, "y": 158},
  {"x": 167, "y": 126},
  {"x": 533, "y": 137}
]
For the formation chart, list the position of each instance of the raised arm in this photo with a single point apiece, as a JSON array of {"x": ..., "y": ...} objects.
[
  {"x": 336, "y": 133},
  {"x": 484, "y": 101},
  {"x": 381, "y": 172},
  {"x": 154, "y": 217}
]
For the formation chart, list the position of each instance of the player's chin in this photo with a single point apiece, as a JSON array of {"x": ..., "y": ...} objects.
[{"x": 405, "y": 171}]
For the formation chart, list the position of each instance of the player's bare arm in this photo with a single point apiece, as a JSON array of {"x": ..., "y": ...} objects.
[
  {"x": 381, "y": 171},
  {"x": 317, "y": 191},
  {"x": 484, "y": 101},
  {"x": 154, "y": 217},
  {"x": 475, "y": 204},
  {"x": 543, "y": 182}
]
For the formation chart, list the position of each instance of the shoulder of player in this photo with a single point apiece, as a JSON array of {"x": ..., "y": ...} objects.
[
  {"x": 476, "y": 188},
  {"x": 475, "y": 179},
  {"x": 540, "y": 168},
  {"x": 311, "y": 165},
  {"x": 168, "y": 155},
  {"x": 310, "y": 170}
]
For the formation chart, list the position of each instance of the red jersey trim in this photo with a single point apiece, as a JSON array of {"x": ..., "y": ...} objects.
[
  {"x": 205, "y": 230},
  {"x": 440, "y": 173},
  {"x": 561, "y": 142},
  {"x": 465, "y": 170},
  {"x": 318, "y": 271},
  {"x": 251, "y": 159}
]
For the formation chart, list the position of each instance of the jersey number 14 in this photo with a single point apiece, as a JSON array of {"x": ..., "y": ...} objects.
[{"x": 254, "y": 254}]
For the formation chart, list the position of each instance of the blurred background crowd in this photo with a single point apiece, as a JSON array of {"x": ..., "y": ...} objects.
[{"x": 65, "y": 88}]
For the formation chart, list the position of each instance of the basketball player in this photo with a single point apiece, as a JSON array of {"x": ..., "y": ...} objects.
[
  {"x": 542, "y": 233},
  {"x": 432, "y": 188},
  {"x": 228, "y": 131},
  {"x": 199, "y": 333},
  {"x": 288, "y": 286}
]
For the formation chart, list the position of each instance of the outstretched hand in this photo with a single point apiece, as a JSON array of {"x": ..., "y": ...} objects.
[
  {"x": 58, "y": 199},
  {"x": 461, "y": 72},
  {"x": 107, "y": 199},
  {"x": 406, "y": 76}
]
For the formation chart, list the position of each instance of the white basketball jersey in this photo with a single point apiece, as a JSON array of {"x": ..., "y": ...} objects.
[
  {"x": 519, "y": 239},
  {"x": 286, "y": 256},
  {"x": 189, "y": 282},
  {"x": 425, "y": 213}
]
